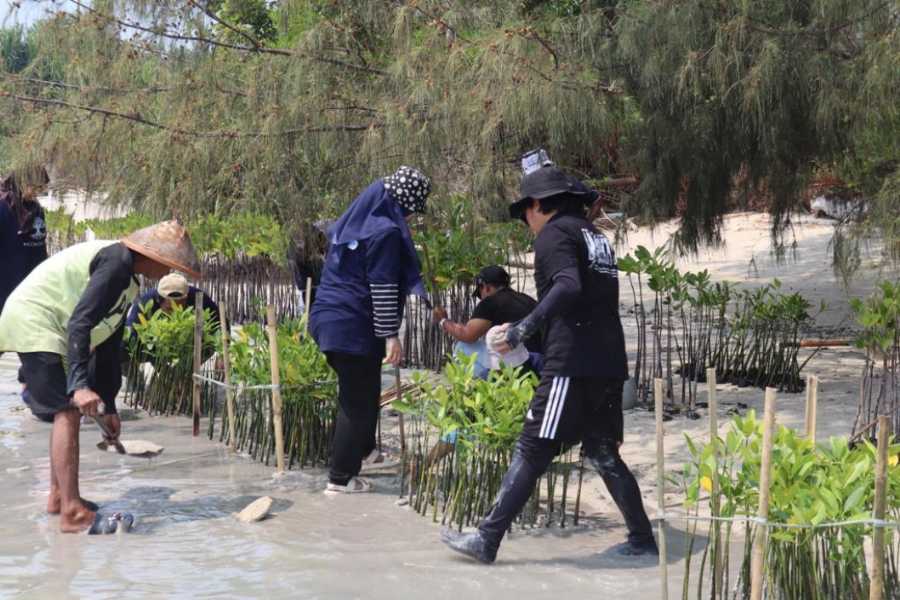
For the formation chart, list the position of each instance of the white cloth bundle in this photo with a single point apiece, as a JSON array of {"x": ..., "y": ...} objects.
[{"x": 515, "y": 357}]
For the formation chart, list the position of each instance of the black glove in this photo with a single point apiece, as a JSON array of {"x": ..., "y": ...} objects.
[{"x": 520, "y": 331}]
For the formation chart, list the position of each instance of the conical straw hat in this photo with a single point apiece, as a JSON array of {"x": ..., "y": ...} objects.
[{"x": 167, "y": 243}]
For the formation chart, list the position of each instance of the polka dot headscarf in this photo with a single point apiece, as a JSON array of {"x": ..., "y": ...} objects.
[{"x": 409, "y": 187}]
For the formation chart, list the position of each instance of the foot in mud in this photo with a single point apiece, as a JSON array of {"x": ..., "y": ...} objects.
[
  {"x": 472, "y": 545},
  {"x": 76, "y": 520},
  {"x": 117, "y": 522},
  {"x": 54, "y": 505},
  {"x": 647, "y": 548}
]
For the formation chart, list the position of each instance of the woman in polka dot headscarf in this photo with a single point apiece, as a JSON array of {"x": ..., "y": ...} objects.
[{"x": 370, "y": 268}]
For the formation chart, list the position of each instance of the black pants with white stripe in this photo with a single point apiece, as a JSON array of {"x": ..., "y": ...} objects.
[
  {"x": 359, "y": 389},
  {"x": 564, "y": 411}
]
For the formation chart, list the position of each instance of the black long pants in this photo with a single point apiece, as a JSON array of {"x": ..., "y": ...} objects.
[
  {"x": 533, "y": 455},
  {"x": 359, "y": 390}
]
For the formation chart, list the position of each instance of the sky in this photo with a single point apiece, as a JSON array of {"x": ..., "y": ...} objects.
[{"x": 28, "y": 12}]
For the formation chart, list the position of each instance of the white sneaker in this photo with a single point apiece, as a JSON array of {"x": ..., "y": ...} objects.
[{"x": 356, "y": 485}]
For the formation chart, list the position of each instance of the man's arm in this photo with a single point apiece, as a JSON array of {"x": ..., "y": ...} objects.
[
  {"x": 468, "y": 332},
  {"x": 110, "y": 274}
]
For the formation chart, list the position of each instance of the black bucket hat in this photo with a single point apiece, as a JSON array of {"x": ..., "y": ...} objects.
[
  {"x": 544, "y": 183},
  {"x": 409, "y": 187},
  {"x": 494, "y": 274}
]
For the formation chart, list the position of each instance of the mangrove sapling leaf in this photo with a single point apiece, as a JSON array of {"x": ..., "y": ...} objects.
[
  {"x": 487, "y": 416},
  {"x": 811, "y": 484},
  {"x": 166, "y": 340}
]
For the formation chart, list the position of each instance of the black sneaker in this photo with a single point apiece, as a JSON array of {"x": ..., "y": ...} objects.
[
  {"x": 645, "y": 548},
  {"x": 472, "y": 545}
]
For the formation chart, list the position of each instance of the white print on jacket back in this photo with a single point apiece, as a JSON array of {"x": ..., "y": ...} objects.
[{"x": 601, "y": 256}]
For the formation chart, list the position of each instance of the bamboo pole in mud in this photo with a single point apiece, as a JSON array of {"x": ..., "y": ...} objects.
[
  {"x": 660, "y": 488},
  {"x": 307, "y": 300},
  {"x": 812, "y": 406},
  {"x": 713, "y": 408},
  {"x": 876, "y": 587},
  {"x": 198, "y": 358},
  {"x": 399, "y": 391},
  {"x": 276, "y": 388},
  {"x": 757, "y": 559},
  {"x": 226, "y": 364}
]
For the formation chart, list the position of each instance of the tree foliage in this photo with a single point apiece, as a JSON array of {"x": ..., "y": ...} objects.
[{"x": 198, "y": 106}]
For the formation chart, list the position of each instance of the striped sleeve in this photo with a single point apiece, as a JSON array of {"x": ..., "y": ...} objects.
[{"x": 386, "y": 308}]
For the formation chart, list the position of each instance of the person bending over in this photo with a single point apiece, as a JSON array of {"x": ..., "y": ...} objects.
[{"x": 66, "y": 320}]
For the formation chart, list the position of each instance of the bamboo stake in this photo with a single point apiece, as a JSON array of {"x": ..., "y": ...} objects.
[
  {"x": 307, "y": 300},
  {"x": 757, "y": 560},
  {"x": 226, "y": 363},
  {"x": 198, "y": 357},
  {"x": 812, "y": 406},
  {"x": 713, "y": 407},
  {"x": 660, "y": 488},
  {"x": 276, "y": 389},
  {"x": 402, "y": 432},
  {"x": 876, "y": 587}
]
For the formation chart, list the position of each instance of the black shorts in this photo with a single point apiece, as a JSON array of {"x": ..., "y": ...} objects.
[
  {"x": 47, "y": 386},
  {"x": 572, "y": 409},
  {"x": 45, "y": 378}
]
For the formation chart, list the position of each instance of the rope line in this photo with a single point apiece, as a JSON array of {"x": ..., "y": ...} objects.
[
  {"x": 243, "y": 388},
  {"x": 878, "y": 523}
]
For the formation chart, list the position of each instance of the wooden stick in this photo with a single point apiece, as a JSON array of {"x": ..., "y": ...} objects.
[
  {"x": 660, "y": 488},
  {"x": 226, "y": 363},
  {"x": 713, "y": 408},
  {"x": 821, "y": 343},
  {"x": 399, "y": 392},
  {"x": 757, "y": 561},
  {"x": 198, "y": 357},
  {"x": 812, "y": 406},
  {"x": 876, "y": 587},
  {"x": 307, "y": 300},
  {"x": 276, "y": 388}
]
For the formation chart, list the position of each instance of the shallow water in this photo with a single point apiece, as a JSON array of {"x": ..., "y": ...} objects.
[{"x": 186, "y": 542}]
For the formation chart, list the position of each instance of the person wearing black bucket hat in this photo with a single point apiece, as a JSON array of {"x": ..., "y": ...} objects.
[
  {"x": 370, "y": 268},
  {"x": 579, "y": 397}
]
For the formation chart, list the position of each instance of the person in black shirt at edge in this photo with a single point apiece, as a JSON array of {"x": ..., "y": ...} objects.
[
  {"x": 499, "y": 304},
  {"x": 23, "y": 227},
  {"x": 579, "y": 397}
]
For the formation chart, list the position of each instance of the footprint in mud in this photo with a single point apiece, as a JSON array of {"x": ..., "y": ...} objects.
[{"x": 154, "y": 508}]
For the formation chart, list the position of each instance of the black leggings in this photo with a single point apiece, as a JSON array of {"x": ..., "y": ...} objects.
[
  {"x": 533, "y": 456},
  {"x": 359, "y": 390}
]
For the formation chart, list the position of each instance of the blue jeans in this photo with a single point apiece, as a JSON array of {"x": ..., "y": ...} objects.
[{"x": 479, "y": 348}]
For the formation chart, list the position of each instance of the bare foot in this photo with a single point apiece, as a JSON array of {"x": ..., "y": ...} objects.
[
  {"x": 54, "y": 504},
  {"x": 77, "y": 520}
]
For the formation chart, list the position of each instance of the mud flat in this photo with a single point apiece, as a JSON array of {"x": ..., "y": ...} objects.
[{"x": 186, "y": 541}]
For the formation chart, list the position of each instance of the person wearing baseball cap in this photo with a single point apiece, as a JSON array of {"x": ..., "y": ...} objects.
[
  {"x": 65, "y": 320},
  {"x": 499, "y": 304},
  {"x": 579, "y": 397},
  {"x": 170, "y": 290}
]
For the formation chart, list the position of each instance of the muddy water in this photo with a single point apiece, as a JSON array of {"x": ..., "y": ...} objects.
[{"x": 186, "y": 542}]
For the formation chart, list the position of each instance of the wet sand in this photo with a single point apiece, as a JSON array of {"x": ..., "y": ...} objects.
[{"x": 186, "y": 542}]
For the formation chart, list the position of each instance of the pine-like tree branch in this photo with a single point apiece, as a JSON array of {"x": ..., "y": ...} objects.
[
  {"x": 140, "y": 119},
  {"x": 211, "y": 42}
]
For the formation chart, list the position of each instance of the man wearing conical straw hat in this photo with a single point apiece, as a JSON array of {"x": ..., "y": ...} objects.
[{"x": 65, "y": 320}]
